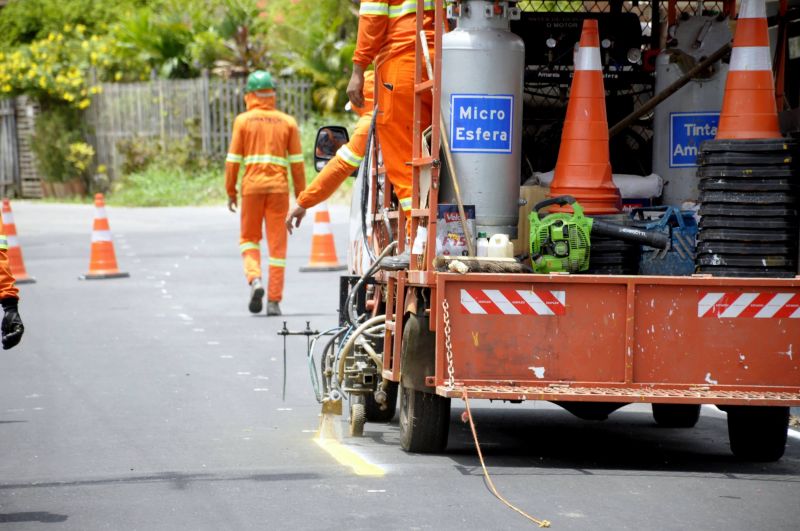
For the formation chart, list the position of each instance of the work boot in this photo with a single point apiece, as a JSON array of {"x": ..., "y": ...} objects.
[
  {"x": 273, "y": 308},
  {"x": 256, "y": 296}
]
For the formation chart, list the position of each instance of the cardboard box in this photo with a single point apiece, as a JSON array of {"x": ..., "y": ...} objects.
[{"x": 533, "y": 195}]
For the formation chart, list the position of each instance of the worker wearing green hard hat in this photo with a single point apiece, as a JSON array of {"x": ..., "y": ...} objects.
[
  {"x": 267, "y": 142},
  {"x": 258, "y": 81}
]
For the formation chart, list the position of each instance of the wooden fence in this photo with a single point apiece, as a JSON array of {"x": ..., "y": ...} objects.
[
  {"x": 9, "y": 162},
  {"x": 167, "y": 110}
]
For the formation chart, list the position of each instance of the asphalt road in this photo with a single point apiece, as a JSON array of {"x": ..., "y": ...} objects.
[{"x": 154, "y": 403}]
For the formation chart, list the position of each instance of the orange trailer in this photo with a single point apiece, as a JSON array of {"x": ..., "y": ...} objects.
[{"x": 590, "y": 343}]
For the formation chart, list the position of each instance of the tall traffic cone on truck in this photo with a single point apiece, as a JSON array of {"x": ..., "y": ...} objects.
[
  {"x": 15, "y": 261},
  {"x": 323, "y": 248},
  {"x": 103, "y": 260},
  {"x": 583, "y": 170},
  {"x": 748, "y": 105}
]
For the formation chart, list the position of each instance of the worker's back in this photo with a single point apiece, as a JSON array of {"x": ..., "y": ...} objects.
[{"x": 265, "y": 137}]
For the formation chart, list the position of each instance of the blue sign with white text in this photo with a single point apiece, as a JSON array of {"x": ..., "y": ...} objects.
[
  {"x": 687, "y": 130},
  {"x": 481, "y": 123}
]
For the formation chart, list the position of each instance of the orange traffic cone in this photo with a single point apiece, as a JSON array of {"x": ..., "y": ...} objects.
[
  {"x": 323, "y": 248},
  {"x": 103, "y": 261},
  {"x": 583, "y": 169},
  {"x": 748, "y": 106},
  {"x": 15, "y": 262}
]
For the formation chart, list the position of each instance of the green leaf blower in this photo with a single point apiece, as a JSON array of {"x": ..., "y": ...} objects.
[{"x": 561, "y": 242}]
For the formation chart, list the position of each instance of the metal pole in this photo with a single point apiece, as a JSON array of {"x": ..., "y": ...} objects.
[{"x": 670, "y": 90}]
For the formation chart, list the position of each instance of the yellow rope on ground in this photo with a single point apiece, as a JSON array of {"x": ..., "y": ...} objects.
[{"x": 540, "y": 523}]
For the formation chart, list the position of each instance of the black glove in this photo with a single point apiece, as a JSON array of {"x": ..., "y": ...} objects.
[{"x": 12, "y": 323}]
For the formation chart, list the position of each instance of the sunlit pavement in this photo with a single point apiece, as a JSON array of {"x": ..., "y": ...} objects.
[{"x": 154, "y": 402}]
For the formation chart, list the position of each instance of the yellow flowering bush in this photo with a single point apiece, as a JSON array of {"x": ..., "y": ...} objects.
[
  {"x": 62, "y": 66},
  {"x": 80, "y": 156}
]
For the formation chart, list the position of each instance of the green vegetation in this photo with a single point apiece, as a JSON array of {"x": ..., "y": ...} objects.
[
  {"x": 163, "y": 186},
  {"x": 181, "y": 176},
  {"x": 59, "y": 52}
]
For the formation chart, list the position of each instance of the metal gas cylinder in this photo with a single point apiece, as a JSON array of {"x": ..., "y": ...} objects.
[
  {"x": 483, "y": 65},
  {"x": 690, "y": 116}
]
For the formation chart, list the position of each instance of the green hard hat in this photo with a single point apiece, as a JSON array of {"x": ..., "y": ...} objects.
[{"x": 259, "y": 80}]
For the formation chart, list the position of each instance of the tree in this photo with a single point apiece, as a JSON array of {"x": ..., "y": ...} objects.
[{"x": 316, "y": 38}]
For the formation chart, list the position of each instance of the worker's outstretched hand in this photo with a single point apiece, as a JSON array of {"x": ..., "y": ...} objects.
[
  {"x": 295, "y": 216},
  {"x": 232, "y": 204},
  {"x": 11, "y": 327},
  {"x": 355, "y": 88}
]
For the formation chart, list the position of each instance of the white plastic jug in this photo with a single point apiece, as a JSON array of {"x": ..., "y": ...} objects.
[{"x": 500, "y": 246}]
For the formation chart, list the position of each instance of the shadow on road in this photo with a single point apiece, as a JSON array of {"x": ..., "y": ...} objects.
[
  {"x": 627, "y": 441},
  {"x": 516, "y": 441},
  {"x": 38, "y": 516}
]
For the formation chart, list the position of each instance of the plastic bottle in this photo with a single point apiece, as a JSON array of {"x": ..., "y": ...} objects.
[
  {"x": 500, "y": 246},
  {"x": 482, "y": 248}
]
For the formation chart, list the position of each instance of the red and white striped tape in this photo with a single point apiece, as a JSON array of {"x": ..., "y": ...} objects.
[
  {"x": 756, "y": 305},
  {"x": 513, "y": 302}
]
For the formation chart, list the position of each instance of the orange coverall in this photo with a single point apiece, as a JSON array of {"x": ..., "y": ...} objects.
[
  {"x": 387, "y": 35},
  {"x": 267, "y": 141},
  {"x": 347, "y": 158},
  {"x": 7, "y": 288}
]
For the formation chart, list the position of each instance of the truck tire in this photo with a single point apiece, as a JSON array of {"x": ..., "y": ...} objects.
[
  {"x": 676, "y": 415},
  {"x": 418, "y": 352},
  {"x": 758, "y": 433},
  {"x": 373, "y": 409},
  {"x": 424, "y": 421}
]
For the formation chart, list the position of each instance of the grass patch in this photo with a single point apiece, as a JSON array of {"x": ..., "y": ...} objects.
[{"x": 156, "y": 186}]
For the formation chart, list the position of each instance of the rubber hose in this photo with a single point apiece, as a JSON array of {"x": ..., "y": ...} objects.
[{"x": 351, "y": 312}]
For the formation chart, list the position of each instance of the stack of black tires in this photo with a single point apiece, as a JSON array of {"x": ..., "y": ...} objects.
[{"x": 748, "y": 208}]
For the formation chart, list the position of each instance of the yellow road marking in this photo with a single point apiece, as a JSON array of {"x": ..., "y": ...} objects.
[{"x": 349, "y": 457}]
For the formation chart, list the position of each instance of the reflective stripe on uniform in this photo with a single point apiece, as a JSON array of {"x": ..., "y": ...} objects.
[
  {"x": 101, "y": 236},
  {"x": 236, "y": 159},
  {"x": 409, "y": 6},
  {"x": 349, "y": 157},
  {"x": 750, "y": 58},
  {"x": 405, "y": 204},
  {"x": 293, "y": 159},
  {"x": 266, "y": 159},
  {"x": 248, "y": 246},
  {"x": 374, "y": 8},
  {"x": 277, "y": 262},
  {"x": 3, "y": 243}
]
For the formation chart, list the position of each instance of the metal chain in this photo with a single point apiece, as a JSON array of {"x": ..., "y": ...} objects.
[{"x": 448, "y": 345}]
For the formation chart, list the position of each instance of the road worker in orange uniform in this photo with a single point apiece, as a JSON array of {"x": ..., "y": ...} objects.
[
  {"x": 387, "y": 37},
  {"x": 11, "y": 327},
  {"x": 347, "y": 159},
  {"x": 267, "y": 141}
]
